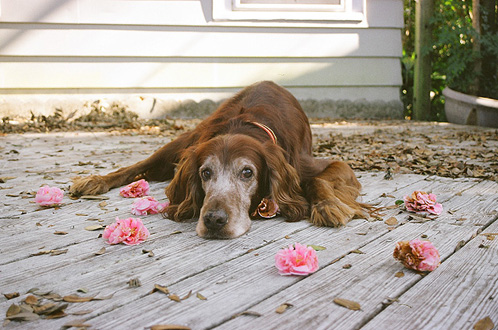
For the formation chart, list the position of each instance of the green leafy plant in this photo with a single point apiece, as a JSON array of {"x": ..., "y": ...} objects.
[{"x": 456, "y": 62}]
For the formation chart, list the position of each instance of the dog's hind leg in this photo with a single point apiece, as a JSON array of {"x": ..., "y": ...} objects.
[
  {"x": 332, "y": 195},
  {"x": 160, "y": 166}
]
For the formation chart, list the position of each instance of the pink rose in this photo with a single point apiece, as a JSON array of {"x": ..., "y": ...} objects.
[
  {"x": 422, "y": 203},
  {"x": 296, "y": 260},
  {"x": 418, "y": 255},
  {"x": 129, "y": 231},
  {"x": 49, "y": 196},
  {"x": 147, "y": 205},
  {"x": 138, "y": 188}
]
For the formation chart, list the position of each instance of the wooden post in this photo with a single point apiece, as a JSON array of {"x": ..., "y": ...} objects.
[
  {"x": 476, "y": 45},
  {"x": 423, "y": 68}
]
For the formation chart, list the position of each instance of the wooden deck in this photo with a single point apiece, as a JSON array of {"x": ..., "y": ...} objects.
[{"x": 233, "y": 284}]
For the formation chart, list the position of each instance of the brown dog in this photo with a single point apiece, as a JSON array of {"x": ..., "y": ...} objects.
[{"x": 255, "y": 145}]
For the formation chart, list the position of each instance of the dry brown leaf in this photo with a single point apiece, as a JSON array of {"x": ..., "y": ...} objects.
[
  {"x": 58, "y": 252},
  {"x": 357, "y": 251},
  {"x": 56, "y": 315},
  {"x": 31, "y": 300},
  {"x": 82, "y": 312},
  {"x": 74, "y": 298},
  {"x": 399, "y": 274},
  {"x": 100, "y": 252},
  {"x": 55, "y": 311},
  {"x": 168, "y": 327},
  {"x": 484, "y": 324},
  {"x": 103, "y": 204},
  {"x": 76, "y": 324},
  {"x": 3, "y": 179},
  {"x": 174, "y": 297},
  {"x": 150, "y": 253},
  {"x": 282, "y": 308},
  {"x": 60, "y": 233},
  {"x": 53, "y": 296},
  {"x": 392, "y": 221},
  {"x": 250, "y": 313},
  {"x": 347, "y": 266},
  {"x": 490, "y": 236},
  {"x": 352, "y": 305},
  {"x": 160, "y": 288},
  {"x": 43, "y": 308},
  {"x": 200, "y": 296},
  {"x": 91, "y": 197},
  {"x": 187, "y": 295},
  {"x": 24, "y": 316},
  {"x": 104, "y": 297},
  {"x": 94, "y": 227},
  {"x": 134, "y": 283},
  {"x": 11, "y": 295},
  {"x": 13, "y": 310}
]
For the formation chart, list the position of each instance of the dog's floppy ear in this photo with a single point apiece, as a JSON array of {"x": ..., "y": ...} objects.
[
  {"x": 185, "y": 191},
  {"x": 284, "y": 185}
]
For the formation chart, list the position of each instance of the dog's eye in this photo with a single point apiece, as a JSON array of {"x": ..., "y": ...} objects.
[
  {"x": 206, "y": 174},
  {"x": 246, "y": 173}
]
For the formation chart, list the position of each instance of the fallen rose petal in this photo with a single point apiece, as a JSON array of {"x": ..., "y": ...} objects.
[
  {"x": 138, "y": 188},
  {"x": 147, "y": 205},
  {"x": 49, "y": 196}
]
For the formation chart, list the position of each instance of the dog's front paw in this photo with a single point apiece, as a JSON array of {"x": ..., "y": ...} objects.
[
  {"x": 330, "y": 214},
  {"x": 90, "y": 185}
]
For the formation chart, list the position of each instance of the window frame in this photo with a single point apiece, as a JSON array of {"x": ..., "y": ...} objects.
[{"x": 234, "y": 10}]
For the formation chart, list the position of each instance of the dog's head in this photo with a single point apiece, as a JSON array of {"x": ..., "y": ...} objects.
[{"x": 223, "y": 180}]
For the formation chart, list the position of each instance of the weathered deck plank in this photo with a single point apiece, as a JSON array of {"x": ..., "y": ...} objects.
[
  {"x": 462, "y": 292},
  {"x": 235, "y": 275}
]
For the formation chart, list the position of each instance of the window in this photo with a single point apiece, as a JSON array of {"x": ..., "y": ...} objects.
[{"x": 295, "y": 10}]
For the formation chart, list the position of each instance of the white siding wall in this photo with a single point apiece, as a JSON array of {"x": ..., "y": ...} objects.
[{"x": 175, "y": 50}]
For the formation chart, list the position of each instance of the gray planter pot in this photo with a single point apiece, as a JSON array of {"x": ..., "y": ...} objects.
[{"x": 470, "y": 110}]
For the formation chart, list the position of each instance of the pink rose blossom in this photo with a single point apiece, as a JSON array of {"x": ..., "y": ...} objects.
[
  {"x": 422, "y": 203},
  {"x": 418, "y": 255},
  {"x": 296, "y": 260},
  {"x": 147, "y": 205},
  {"x": 49, "y": 196},
  {"x": 138, "y": 188},
  {"x": 129, "y": 231}
]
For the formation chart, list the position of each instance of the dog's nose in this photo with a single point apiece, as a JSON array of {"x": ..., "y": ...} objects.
[{"x": 215, "y": 219}]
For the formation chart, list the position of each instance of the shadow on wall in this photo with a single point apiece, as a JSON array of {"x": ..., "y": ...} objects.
[{"x": 343, "y": 109}]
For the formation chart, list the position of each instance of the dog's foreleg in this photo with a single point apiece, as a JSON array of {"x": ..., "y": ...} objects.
[{"x": 159, "y": 166}]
